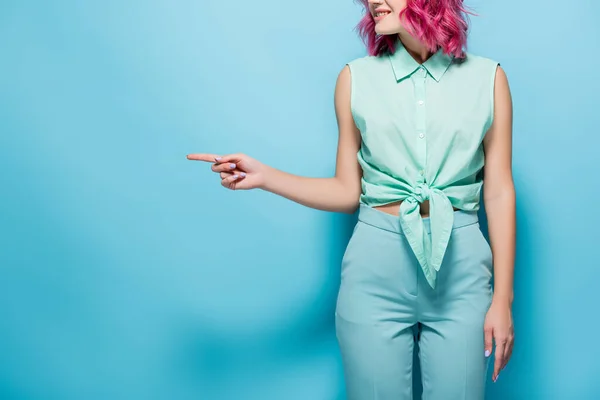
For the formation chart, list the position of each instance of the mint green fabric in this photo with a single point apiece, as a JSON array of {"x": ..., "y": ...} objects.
[{"x": 422, "y": 127}]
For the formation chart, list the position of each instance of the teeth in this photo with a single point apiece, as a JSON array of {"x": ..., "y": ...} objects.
[{"x": 379, "y": 14}]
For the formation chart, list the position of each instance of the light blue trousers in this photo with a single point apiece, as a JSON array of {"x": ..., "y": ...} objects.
[{"x": 384, "y": 300}]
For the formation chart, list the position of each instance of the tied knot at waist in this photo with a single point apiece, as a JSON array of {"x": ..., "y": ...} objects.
[
  {"x": 429, "y": 249},
  {"x": 421, "y": 193}
]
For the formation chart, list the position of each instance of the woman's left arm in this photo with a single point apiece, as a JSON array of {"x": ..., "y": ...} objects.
[{"x": 499, "y": 199}]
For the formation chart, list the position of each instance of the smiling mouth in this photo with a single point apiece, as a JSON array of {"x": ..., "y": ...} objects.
[{"x": 382, "y": 13}]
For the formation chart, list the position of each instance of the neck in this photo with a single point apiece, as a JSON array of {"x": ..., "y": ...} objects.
[{"x": 415, "y": 48}]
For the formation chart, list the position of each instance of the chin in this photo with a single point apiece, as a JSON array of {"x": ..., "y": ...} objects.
[{"x": 383, "y": 30}]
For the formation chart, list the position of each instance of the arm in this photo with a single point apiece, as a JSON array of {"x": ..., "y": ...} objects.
[
  {"x": 341, "y": 192},
  {"x": 499, "y": 191},
  {"x": 499, "y": 198}
]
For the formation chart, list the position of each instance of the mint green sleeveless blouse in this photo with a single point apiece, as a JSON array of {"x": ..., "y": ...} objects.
[{"x": 422, "y": 128}]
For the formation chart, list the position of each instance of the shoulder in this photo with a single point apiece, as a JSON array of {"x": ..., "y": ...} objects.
[
  {"x": 490, "y": 65},
  {"x": 364, "y": 69},
  {"x": 478, "y": 68}
]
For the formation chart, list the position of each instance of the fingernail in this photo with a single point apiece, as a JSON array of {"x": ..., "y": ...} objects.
[
  {"x": 497, "y": 376},
  {"x": 487, "y": 353},
  {"x": 218, "y": 158},
  {"x": 243, "y": 174},
  {"x": 235, "y": 177},
  {"x": 232, "y": 166}
]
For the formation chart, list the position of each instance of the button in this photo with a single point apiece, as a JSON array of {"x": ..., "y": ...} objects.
[
  {"x": 421, "y": 102},
  {"x": 422, "y": 172},
  {"x": 421, "y": 135}
]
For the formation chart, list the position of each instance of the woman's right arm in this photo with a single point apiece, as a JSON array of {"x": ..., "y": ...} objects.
[{"x": 339, "y": 193}]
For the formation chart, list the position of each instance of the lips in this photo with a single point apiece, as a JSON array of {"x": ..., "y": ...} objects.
[
  {"x": 381, "y": 11},
  {"x": 380, "y": 14}
]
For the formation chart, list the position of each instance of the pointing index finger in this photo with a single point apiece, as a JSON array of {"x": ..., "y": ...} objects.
[{"x": 203, "y": 157}]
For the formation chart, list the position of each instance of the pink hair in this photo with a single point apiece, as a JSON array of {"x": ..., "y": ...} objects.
[{"x": 436, "y": 23}]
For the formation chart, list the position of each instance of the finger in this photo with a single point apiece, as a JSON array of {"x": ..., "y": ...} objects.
[
  {"x": 203, "y": 157},
  {"x": 488, "y": 336},
  {"x": 228, "y": 174},
  {"x": 499, "y": 358},
  {"x": 234, "y": 158},
  {"x": 223, "y": 167},
  {"x": 230, "y": 181},
  {"x": 508, "y": 351}
]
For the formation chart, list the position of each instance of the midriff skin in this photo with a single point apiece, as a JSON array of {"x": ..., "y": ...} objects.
[{"x": 394, "y": 208}]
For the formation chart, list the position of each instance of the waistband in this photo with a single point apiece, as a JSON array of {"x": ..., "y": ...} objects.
[{"x": 389, "y": 222}]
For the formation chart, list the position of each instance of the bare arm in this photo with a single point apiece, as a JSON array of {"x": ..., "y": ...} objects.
[
  {"x": 341, "y": 192},
  {"x": 499, "y": 197},
  {"x": 499, "y": 191}
]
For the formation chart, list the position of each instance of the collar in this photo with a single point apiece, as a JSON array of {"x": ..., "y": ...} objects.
[{"x": 404, "y": 64}]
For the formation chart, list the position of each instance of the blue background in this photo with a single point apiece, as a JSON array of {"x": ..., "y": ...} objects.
[{"x": 128, "y": 272}]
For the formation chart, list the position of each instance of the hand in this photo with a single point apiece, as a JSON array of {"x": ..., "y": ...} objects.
[
  {"x": 237, "y": 171},
  {"x": 499, "y": 326}
]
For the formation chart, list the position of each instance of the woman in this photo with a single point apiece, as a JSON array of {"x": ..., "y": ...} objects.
[{"x": 421, "y": 123}]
